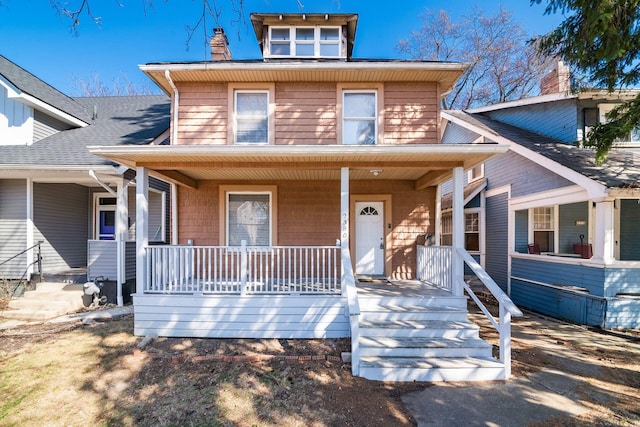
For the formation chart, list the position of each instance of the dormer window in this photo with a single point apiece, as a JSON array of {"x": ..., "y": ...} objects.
[{"x": 304, "y": 42}]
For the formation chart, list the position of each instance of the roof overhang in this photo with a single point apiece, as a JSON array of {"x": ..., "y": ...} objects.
[
  {"x": 425, "y": 164},
  {"x": 24, "y": 98},
  {"x": 62, "y": 174},
  {"x": 594, "y": 189},
  {"x": 443, "y": 73}
]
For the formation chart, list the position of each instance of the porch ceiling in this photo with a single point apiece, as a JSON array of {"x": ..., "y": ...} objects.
[{"x": 427, "y": 164}]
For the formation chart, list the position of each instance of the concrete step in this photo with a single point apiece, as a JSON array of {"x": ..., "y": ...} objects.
[
  {"x": 380, "y": 313},
  {"x": 58, "y": 286},
  {"x": 49, "y": 300},
  {"x": 418, "y": 329},
  {"x": 424, "y": 347},
  {"x": 430, "y": 369}
]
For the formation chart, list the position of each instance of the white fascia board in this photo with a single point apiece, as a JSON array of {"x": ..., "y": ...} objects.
[
  {"x": 559, "y": 196},
  {"x": 594, "y": 189},
  {"x": 525, "y": 101},
  {"x": 296, "y": 65},
  {"x": 158, "y": 139},
  {"x": 24, "y": 98},
  {"x": 277, "y": 150}
]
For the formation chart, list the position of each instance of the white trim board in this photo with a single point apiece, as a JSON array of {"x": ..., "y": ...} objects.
[{"x": 594, "y": 189}]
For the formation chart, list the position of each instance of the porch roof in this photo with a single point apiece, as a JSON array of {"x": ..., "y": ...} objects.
[{"x": 426, "y": 164}]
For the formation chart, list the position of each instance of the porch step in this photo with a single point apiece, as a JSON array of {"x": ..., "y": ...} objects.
[
  {"x": 415, "y": 312},
  {"x": 418, "y": 328},
  {"x": 424, "y": 347},
  {"x": 430, "y": 369},
  {"x": 49, "y": 300},
  {"x": 422, "y": 339}
]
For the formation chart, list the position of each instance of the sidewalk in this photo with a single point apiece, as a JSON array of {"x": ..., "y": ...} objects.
[{"x": 573, "y": 381}]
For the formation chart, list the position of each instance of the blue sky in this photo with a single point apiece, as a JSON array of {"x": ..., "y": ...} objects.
[{"x": 35, "y": 38}]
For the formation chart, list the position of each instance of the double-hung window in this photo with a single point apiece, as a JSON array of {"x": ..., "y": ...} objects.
[
  {"x": 359, "y": 117},
  {"x": 251, "y": 117},
  {"x": 543, "y": 228},
  {"x": 249, "y": 218},
  {"x": 304, "y": 42}
]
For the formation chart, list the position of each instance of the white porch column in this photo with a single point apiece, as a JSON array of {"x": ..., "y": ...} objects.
[
  {"x": 344, "y": 214},
  {"x": 458, "y": 230},
  {"x": 604, "y": 237},
  {"x": 122, "y": 215},
  {"x": 142, "y": 226},
  {"x": 29, "y": 220}
]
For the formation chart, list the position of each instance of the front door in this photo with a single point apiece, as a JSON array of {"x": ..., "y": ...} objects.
[{"x": 369, "y": 237}]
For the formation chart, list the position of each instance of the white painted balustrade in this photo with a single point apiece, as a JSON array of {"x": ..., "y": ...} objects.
[
  {"x": 243, "y": 269},
  {"x": 435, "y": 266}
]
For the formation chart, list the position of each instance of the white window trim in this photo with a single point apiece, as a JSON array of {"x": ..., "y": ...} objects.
[
  {"x": 96, "y": 212},
  {"x": 555, "y": 229},
  {"x": 226, "y": 190},
  {"x": 471, "y": 178},
  {"x": 316, "y": 42},
  {"x": 269, "y": 88},
  {"x": 361, "y": 88}
]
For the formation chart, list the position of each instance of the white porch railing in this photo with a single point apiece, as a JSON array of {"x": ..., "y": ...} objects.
[
  {"x": 243, "y": 269},
  {"x": 441, "y": 272},
  {"x": 349, "y": 286}
]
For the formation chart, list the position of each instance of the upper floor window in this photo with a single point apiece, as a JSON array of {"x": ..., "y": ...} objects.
[
  {"x": 475, "y": 173},
  {"x": 251, "y": 117},
  {"x": 301, "y": 42},
  {"x": 359, "y": 117},
  {"x": 593, "y": 116}
]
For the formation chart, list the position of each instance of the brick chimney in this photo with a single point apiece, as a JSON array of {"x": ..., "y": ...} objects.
[
  {"x": 558, "y": 80},
  {"x": 219, "y": 46}
]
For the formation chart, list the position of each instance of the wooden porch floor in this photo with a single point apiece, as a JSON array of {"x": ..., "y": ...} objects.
[{"x": 397, "y": 288}]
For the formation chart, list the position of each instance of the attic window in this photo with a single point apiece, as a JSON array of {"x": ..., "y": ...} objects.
[{"x": 304, "y": 42}]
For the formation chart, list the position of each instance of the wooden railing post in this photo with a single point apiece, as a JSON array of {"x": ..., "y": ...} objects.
[
  {"x": 505, "y": 340},
  {"x": 243, "y": 267}
]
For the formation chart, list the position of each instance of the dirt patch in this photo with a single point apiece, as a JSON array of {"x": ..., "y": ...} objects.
[
  {"x": 73, "y": 374},
  {"x": 98, "y": 371}
]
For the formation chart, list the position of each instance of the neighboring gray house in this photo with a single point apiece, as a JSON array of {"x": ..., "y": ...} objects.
[
  {"x": 558, "y": 232},
  {"x": 54, "y": 191}
]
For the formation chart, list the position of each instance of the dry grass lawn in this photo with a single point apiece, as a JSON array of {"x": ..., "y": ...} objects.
[{"x": 94, "y": 375}]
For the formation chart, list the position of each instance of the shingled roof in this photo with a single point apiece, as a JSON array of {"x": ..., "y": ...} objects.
[
  {"x": 620, "y": 170},
  {"x": 27, "y": 83},
  {"x": 119, "y": 120}
]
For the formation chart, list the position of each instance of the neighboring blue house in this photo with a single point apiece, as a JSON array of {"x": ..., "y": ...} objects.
[
  {"x": 558, "y": 232},
  {"x": 54, "y": 191}
]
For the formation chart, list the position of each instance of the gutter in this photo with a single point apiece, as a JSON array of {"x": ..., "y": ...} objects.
[
  {"x": 174, "y": 107},
  {"x": 93, "y": 175}
]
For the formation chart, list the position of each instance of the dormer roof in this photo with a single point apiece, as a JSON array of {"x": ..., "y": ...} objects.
[{"x": 347, "y": 21}]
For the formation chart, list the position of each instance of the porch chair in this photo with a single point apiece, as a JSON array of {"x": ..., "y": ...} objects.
[{"x": 533, "y": 248}]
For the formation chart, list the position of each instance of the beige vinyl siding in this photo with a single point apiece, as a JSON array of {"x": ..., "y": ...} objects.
[
  {"x": 305, "y": 113},
  {"x": 61, "y": 212},
  {"x": 203, "y": 115},
  {"x": 13, "y": 227},
  {"x": 410, "y": 113}
]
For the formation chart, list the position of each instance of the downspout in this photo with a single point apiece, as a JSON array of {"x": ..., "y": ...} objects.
[
  {"x": 93, "y": 175},
  {"x": 174, "y": 108},
  {"x": 175, "y": 101}
]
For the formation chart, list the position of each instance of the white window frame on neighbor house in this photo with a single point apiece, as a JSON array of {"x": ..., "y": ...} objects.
[
  {"x": 545, "y": 223},
  {"x": 295, "y": 42},
  {"x": 634, "y": 136},
  {"x": 377, "y": 119},
  {"x": 98, "y": 208},
  {"x": 226, "y": 191},
  {"x": 475, "y": 173},
  {"x": 447, "y": 228},
  {"x": 468, "y": 230},
  {"x": 234, "y": 90}
]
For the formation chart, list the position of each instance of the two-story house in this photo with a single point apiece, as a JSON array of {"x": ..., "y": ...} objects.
[
  {"x": 303, "y": 181},
  {"x": 58, "y": 198},
  {"x": 558, "y": 232}
]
